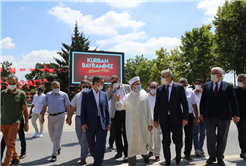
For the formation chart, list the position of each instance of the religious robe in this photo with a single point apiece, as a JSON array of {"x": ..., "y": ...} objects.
[{"x": 138, "y": 118}]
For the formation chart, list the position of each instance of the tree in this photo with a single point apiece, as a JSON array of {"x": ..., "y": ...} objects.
[
  {"x": 79, "y": 42},
  {"x": 6, "y": 65},
  {"x": 230, "y": 36},
  {"x": 196, "y": 57}
]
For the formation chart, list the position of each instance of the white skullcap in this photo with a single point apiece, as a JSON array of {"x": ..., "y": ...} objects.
[{"x": 134, "y": 79}]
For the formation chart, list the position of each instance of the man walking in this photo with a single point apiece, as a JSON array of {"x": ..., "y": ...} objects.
[
  {"x": 138, "y": 120},
  {"x": 168, "y": 112},
  {"x": 155, "y": 140},
  {"x": 218, "y": 99},
  {"x": 198, "y": 130},
  {"x": 14, "y": 103},
  {"x": 95, "y": 119},
  {"x": 240, "y": 92},
  {"x": 37, "y": 103},
  {"x": 57, "y": 101},
  {"x": 193, "y": 112},
  {"x": 118, "y": 116}
]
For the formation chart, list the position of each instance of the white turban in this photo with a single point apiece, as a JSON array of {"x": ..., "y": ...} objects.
[{"x": 134, "y": 79}]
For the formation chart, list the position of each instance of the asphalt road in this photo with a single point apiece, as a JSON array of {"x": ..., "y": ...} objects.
[{"x": 39, "y": 151}]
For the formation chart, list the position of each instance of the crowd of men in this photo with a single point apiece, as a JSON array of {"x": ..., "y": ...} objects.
[{"x": 134, "y": 117}]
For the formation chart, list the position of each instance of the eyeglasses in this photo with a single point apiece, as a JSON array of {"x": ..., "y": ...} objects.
[
  {"x": 85, "y": 86},
  {"x": 153, "y": 87}
]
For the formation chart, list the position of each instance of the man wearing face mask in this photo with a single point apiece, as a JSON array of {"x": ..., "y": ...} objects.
[
  {"x": 95, "y": 119},
  {"x": 138, "y": 120},
  {"x": 193, "y": 112},
  {"x": 118, "y": 116},
  {"x": 57, "y": 101},
  {"x": 169, "y": 98},
  {"x": 198, "y": 130},
  {"x": 76, "y": 105},
  {"x": 155, "y": 140},
  {"x": 240, "y": 92},
  {"x": 218, "y": 105},
  {"x": 14, "y": 103},
  {"x": 38, "y": 104}
]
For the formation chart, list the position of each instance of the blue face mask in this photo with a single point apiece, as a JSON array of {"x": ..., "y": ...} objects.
[{"x": 138, "y": 88}]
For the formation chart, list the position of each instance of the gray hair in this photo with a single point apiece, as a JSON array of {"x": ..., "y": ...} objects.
[
  {"x": 169, "y": 73},
  {"x": 220, "y": 70},
  {"x": 54, "y": 82},
  {"x": 183, "y": 80},
  {"x": 242, "y": 76},
  {"x": 13, "y": 77}
]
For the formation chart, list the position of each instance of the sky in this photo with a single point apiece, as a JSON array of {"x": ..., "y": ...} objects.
[{"x": 33, "y": 32}]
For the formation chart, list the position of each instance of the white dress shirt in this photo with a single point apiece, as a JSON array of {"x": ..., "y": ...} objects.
[
  {"x": 198, "y": 99},
  {"x": 191, "y": 100},
  {"x": 96, "y": 95},
  {"x": 214, "y": 85},
  {"x": 152, "y": 100},
  {"x": 120, "y": 92},
  {"x": 38, "y": 103},
  {"x": 76, "y": 102}
]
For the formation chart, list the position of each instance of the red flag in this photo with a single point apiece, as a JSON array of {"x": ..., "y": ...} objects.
[
  {"x": 6, "y": 83},
  {"x": 51, "y": 70},
  {"x": 7, "y": 87},
  {"x": 20, "y": 87},
  {"x": 28, "y": 87},
  {"x": 34, "y": 83},
  {"x": 22, "y": 69},
  {"x": 29, "y": 99},
  {"x": 30, "y": 83},
  {"x": 22, "y": 82},
  {"x": 0, "y": 86},
  {"x": 19, "y": 83},
  {"x": 25, "y": 82},
  {"x": 59, "y": 70},
  {"x": 67, "y": 70},
  {"x": 1, "y": 69},
  {"x": 45, "y": 80},
  {"x": 2, "y": 80},
  {"x": 32, "y": 69},
  {"x": 46, "y": 68},
  {"x": 40, "y": 81},
  {"x": 41, "y": 86},
  {"x": 43, "y": 70},
  {"x": 12, "y": 70}
]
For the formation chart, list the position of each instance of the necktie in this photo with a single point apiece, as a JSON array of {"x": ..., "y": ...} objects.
[
  {"x": 167, "y": 92},
  {"x": 216, "y": 90}
]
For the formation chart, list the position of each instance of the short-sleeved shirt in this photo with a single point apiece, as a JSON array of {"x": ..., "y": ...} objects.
[
  {"x": 38, "y": 103},
  {"x": 191, "y": 100},
  {"x": 76, "y": 102},
  {"x": 12, "y": 106},
  {"x": 56, "y": 102}
]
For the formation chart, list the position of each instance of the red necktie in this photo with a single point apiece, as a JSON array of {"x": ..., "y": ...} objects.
[{"x": 216, "y": 90}]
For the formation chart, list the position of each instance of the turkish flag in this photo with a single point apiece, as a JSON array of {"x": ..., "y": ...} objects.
[
  {"x": 46, "y": 68},
  {"x": 32, "y": 69},
  {"x": 22, "y": 69},
  {"x": 59, "y": 70},
  {"x": 43, "y": 70},
  {"x": 20, "y": 87},
  {"x": 41, "y": 86},
  {"x": 2, "y": 80},
  {"x": 45, "y": 80},
  {"x": 29, "y": 99},
  {"x": 67, "y": 70},
  {"x": 12, "y": 70},
  {"x": 0, "y": 86},
  {"x": 51, "y": 70},
  {"x": 29, "y": 82},
  {"x": 1, "y": 69},
  {"x": 7, "y": 87},
  {"x": 28, "y": 87},
  {"x": 6, "y": 82}
]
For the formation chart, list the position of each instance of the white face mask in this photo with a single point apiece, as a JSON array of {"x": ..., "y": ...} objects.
[
  {"x": 12, "y": 87},
  {"x": 115, "y": 85},
  {"x": 57, "y": 90},
  {"x": 100, "y": 87},
  {"x": 36, "y": 92},
  {"x": 185, "y": 87},
  {"x": 240, "y": 84},
  {"x": 153, "y": 91},
  {"x": 84, "y": 89},
  {"x": 198, "y": 87},
  {"x": 164, "y": 81},
  {"x": 214, "y": 78}
]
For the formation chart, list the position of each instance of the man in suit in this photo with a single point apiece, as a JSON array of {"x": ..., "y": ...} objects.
[
  {"x": 217, "y": 98},
  {"x": 119, "y": 116},
  {"x": 95, "y": 119},
  {"x": 168, "y": 112},
  {"x": 240, "y": 92}
]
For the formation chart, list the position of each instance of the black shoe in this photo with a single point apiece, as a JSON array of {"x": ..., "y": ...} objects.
[
  {"x": 118, "y": 155},
  {"x": 150, "y": 154},
  {"x": 187, "y": 157},
  {"x": 210, "y": 161},
  {"x": 15, "y": 162},
  {"x": 146, "y": 160},
  {"x": 221, "y": 162},
  {"x": 110, "y": 147},
  {"x": 59, "y": 151},
  {"x": 53, "y": 159},
  {"x": 243, "y": 156},
  {"x": 125, "y": 159},
  {"x": 178, "y": 159},
  {"x": 22, "y": 156},
  {"x": 168, "y": 163}
]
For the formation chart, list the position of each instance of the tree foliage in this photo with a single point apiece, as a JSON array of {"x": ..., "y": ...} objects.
[
  {"x": 230, "y": 36},
  {"x": 5, "y": 66}
]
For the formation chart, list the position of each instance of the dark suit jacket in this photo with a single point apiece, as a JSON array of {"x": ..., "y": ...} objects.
[
  {"x": 89, "y": 112},
  {"x": 241, "y": 100},
  {"x": 177, "y": 99},
  {"x": 219, "y": 106}
]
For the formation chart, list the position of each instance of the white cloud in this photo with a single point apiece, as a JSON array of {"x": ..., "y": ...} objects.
[
  {"x": 153, "y": 44},
  {"x": 105, "y": 24},
  {"x": 7, "y": 43},
  {"x": 23, "y": 8},
  {"x": 210, "y": 7},
  {"x": 126, "y": 4},
  {"x": 123, "y": 38}
]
